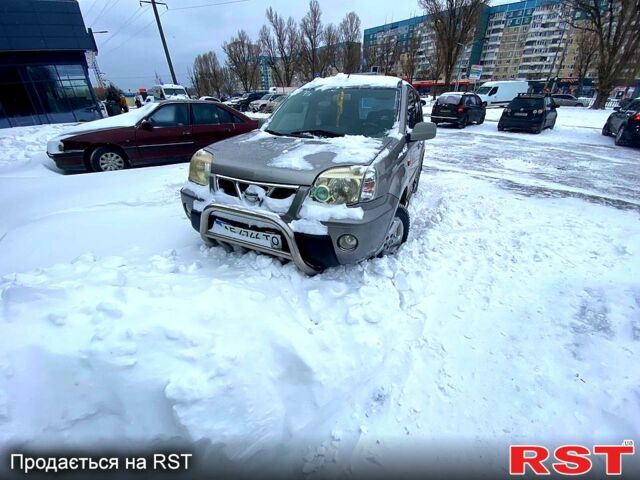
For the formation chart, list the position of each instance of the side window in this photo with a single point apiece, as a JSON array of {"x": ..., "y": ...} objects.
[
  {"x": 170, "y": 116},
  {"x": 225, "y": 116},
  {"x": 633, "y": 106},
  {"x": 205, "y": 114},
  {"x": 493, "y": 91},
  {"x": 414, "y": 110},
  {"x": 469, "y": 100}
]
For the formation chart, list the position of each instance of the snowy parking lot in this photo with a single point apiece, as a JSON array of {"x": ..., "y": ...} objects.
[{"x": 511, "y": 315}]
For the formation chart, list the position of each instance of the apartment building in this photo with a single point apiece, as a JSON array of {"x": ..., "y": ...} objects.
[{"x": 529, "y": 40}]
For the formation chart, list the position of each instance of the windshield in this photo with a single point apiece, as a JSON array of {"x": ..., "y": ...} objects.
[
  {"x": 483, "y": 90},
  {"x": 337, "y": 112},
  {"x": 266, "y": 97},
  {"x": 174, "y": 91}
]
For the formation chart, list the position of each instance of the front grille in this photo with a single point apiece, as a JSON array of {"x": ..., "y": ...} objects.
[{"x": 236, "y": 187}]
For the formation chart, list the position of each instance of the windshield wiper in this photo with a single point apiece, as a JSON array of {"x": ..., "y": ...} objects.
[
  {"x": 273, "y": 132},
  {"x": 317, "y": 133}
]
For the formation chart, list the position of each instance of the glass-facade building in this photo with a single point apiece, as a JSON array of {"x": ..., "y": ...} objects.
[{"x": 43, "y": 68}]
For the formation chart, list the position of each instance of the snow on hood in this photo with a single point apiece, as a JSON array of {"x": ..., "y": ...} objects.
[
  {"x": 123, "y": 120},
  {"x": 350, "y": 149},
  {"x": 342, "y": 80}
]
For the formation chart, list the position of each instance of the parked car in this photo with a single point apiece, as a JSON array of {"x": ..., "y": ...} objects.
[
  {"x": 166, "y": 91},
  {"x": 169, "y": 131},
  {"x": 326, "y": 183},
  {"x": 624, "y": 124},
  {"x": 209, "y": 99},
  {"x": 260, "y": 105},
  {"x": 566, "y": 100},
  {"x": 529, "y": 112},
  {"x": 499, "y": 94},
  {"x": 242, "y": 104},
  {"x": 273, "y": 105},
  {"x": 458, "y": 108}
]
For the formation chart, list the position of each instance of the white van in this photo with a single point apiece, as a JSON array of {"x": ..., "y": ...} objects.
[
  {"x": 166, "y": 91},
  {"x": 499, "y": 94}
]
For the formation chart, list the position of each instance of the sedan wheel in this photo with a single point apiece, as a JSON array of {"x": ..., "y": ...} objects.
[
  {"x": 605, "y": 130},
  {"x": 108, "y": 159}
]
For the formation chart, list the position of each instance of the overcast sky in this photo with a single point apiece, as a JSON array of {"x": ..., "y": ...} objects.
[{"x": 131, "y": 52}]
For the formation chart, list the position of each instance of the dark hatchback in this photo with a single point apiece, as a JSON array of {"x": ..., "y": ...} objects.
[
  {"x": 166, "y": 132},
  {"x": 624, "y": 124},
  {"x": 242, "y": 103},
  {"x": 529, "y": 112},
  {"x": 458, "y": 108}
]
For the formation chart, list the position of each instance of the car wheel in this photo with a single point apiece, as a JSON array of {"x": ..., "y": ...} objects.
[
  {"x": 537, "y": 130},
  {"x": 579, "y": 105},
  {"x": 481, "y": 121},
  {"x": 463, "y": 122},
  {"x": 606, "y": 131},
  {"x": 397, "y": 233},
  {"x": 620, "y": 141},
  {"x": 500, "y": 128},
  {"x": 106, "y": 159}
]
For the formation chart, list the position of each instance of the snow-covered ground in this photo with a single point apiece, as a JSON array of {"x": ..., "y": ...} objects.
[{"x": 511, "y": 315}]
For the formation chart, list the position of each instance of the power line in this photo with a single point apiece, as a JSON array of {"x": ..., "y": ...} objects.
[
  {"x": 106, "y": 4},
  {"x": 138, "y": 13},
  {"x": 132, "y": 36},
  {"x": 208, "y": 5},
  {"x": 91, "y": 8}
]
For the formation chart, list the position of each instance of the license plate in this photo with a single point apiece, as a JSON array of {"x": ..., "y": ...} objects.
[
  {"x": 269, "y": 240},
  {"x": 518, "y": 114}
]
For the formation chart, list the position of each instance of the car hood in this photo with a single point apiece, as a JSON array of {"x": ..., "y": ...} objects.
[{"x": 261, "y": 157}]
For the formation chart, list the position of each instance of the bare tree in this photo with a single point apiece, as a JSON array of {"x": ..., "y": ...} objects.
[
  {"x": 243, "y": 59},
  {"x": 616, "y": 25},
  {"x": 328, "y": 53},
  {"x": 387, "y": 53},
  {"x": 310, "y": 40},
  {"x": 206, "y": 75},
  {"x": 454, "y": 24},
  {"x": 434, "y": 68},
  {"x": 586, "y": 53},
  {"x": 279, "y": 43},
  {"x": 350, "y": 36},
  {"x": 409, "y": 58},
  {"x": 229, "y": 83}
]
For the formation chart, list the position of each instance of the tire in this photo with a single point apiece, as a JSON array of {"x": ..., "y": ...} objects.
[
  {"x": 107, "y": 158},
  {"x": 606, "y": 131},
  {"x": 620, "y": 141},
  {"x": 538, "y": 130},
  {"x": 500, "y": 128},
  {"x": 397, "y": 233},
  {"x": 481, "y": 121},
  {"x": 579, "y": 105},
  {"x": 552, "y": 125},
  {"x": 463, "y": 122}
]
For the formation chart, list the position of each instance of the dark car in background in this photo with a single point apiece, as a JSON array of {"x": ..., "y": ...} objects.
[
  {"x": 529, "y": 112},
  {"x": 242, "y": 104},
  {"x": 566, "y": 100},
  {"x": 458, "y": 108},
  {"x": 165, "y": 132},
  {"x": 624, "y": 124}
]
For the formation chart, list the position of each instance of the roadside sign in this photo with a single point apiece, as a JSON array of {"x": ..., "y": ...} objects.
[{"x": 475, "y": 72}]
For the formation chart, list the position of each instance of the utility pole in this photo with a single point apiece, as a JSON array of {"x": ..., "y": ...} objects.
[{"x": 155, "y": 4}]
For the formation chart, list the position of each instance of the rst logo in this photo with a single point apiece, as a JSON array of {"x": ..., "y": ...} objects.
[{"x": 569, "y": 459}]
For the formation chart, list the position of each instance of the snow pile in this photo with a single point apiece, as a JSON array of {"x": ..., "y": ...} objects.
[
  {"x": 509, "y": 316},
  {"x": 342, "y": 80},
  {"x": 23, "y": 148}
]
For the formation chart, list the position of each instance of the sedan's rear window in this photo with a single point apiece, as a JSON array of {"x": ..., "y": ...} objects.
[
  {"x": 448, "y": 99},
  {"x": 527, "y": 103}
]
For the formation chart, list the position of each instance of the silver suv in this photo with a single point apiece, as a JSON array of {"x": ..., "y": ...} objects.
[{"x": 325, "y": 182}]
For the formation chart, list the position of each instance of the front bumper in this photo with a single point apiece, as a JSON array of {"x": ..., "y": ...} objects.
[
  {"x": 311, "y": 253},
  {"x": 69, "y": 161}
]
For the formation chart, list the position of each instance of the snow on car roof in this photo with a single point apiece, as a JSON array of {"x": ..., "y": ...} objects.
[
  {"x": 123, "y": 120},
  {"x": 354, "y": 80}
]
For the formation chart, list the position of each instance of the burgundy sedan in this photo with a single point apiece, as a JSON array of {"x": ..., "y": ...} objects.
[{"x": 166, "y": 132}]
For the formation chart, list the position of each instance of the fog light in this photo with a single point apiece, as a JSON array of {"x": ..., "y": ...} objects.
[{"x": 347, "y": 242}]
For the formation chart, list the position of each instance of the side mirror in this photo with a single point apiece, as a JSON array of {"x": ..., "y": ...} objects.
[
  {"x": 146, "y": 125},
  {"x": 616, "y": 109},
  {"x": 422, "y": 131}
]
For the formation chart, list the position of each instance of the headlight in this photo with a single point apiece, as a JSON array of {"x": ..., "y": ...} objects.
[
  {"x": 200, "y": 167},
  {"x": 344, "y": 185}
]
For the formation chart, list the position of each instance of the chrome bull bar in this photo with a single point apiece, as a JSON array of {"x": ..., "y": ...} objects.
[{"x": 269, "y": 219}]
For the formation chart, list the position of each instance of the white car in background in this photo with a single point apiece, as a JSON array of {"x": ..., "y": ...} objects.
[
  {"x": 499, "y": 94},
  {"x": 261, "y": 104}
]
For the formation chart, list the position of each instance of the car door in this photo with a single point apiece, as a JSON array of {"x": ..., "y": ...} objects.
[
  {"x": 550, "y": 112},
  {"x": 165, "y": 136},
  {"x": 621, "y": 117},
  {"x": 470, "y": 107},
  {"x": 210, "y": 124},
  {"x": 416, "y": 149}
]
